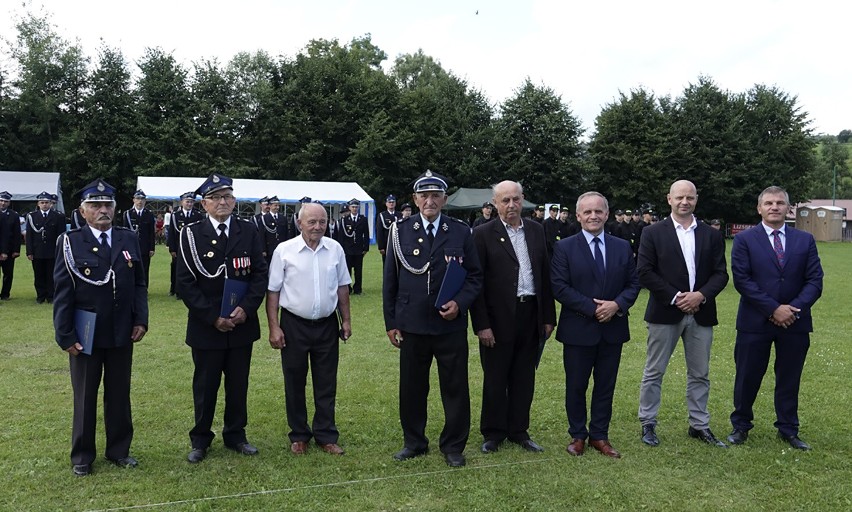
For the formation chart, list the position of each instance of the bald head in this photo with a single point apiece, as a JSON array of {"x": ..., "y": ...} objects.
[
  {"x": 682, "y": 197},
  {"x": 508, "y": 199}
]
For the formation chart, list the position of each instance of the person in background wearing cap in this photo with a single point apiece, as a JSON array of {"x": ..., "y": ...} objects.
[
  {"x": 354, "y": 237},
  {"x": 142, "y": 221},
  {"x": 568, "y": 225},
  {"x": 180, "y": 218},
  {"x": 386, "y": 219},
  {"x": 512, "y": 315},
  {"x": 99, "y": 269},
  {"x": 406, "y": 210},
  {"x": 422, "y": 247},
  {"x": 273, "y": 227},
  {"x": 263, "y": 204},
  {"x": 308, "y": 286},
  {"x": 44, "y": 225},
  {"x": 293, "y": 228},
  {"x": 10, "y": 242},
  {"x": 538, "y": 213},
  {"x": 214, "y": 250},
  {"x": 487, "y": 215},
  {"x": 551, "y": 228},
  {"x": 716, "y": 224}
]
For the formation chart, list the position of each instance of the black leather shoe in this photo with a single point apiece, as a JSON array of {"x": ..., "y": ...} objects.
[
  {"x": 530, "y": 446},
  {"x": 795, "y": 442},
  {"x": 706, "y": 436},
  {"x": 407, "y": 453},
  {"x": 245, "y": 448},
  {"x": 197, "y": 455},
  {"x": 454, "y": 460},
  {"x": 81, "y": 469},
  {"x": 649, "y": 437},
  {"x": 125, "y": 462},
  {"x": 738, "y": 436},
  {"x": 490, "y": 446}
]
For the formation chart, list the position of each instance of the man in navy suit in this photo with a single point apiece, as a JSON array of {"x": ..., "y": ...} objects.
[
  {"x": 99, "y": 269},
  {"x": 682, "y": 263},
  {"x": 420, "y": 250},
  {"x": 514, "y": 312},
  {"x": 779, "y": 277},
  {"x": 594, "y": 278}
]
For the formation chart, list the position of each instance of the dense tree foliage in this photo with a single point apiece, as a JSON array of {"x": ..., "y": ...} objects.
[{"x": 332, "y": 112}]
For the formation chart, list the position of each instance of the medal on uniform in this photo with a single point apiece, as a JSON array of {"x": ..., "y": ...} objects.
[
  {"x": 416, "y": 226},
  {"x": 445, "y": 227},
  {"x": 128, "y": 258}
]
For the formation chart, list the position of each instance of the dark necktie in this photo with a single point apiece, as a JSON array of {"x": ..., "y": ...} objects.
[
  {"x": 430, "y": 232},
  {"x": 105, "y": 246},
  {"x": 599, "y": 258},
  {"x": 779, "y": 248},
  {"x": 223, "y": 238}
]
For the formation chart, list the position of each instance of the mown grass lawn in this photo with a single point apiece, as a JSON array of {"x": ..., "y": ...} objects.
[{"x": 681, "y": 474}]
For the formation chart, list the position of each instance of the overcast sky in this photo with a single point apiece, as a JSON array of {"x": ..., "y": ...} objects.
[{"x": 586, "y": 51}]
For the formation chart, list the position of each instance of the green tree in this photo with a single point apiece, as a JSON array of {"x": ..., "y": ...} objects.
[
  {"x": 168, "y": 129},
  {"x": 112, "y": 126},
  {"x": 831, "y": 178},
  {"x": 538, "y": 144},
  {"x": 632, "y": 149}
]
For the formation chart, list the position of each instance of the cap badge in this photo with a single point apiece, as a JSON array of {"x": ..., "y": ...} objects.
[
  {"x": 101, "y": 186},
  {"x": 215, "y": 179}
]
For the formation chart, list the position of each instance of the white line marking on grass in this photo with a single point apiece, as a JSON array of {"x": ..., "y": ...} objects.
[{"x": 319, "y": 486}]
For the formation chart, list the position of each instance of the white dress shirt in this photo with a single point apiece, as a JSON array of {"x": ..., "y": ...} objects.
[
  {"x": 518, "y": 238},
  {"x": 686, "y": 237},
  {"x": 307, "y": 280}
]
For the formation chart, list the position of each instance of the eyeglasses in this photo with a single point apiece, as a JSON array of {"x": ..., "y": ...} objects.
[{"x": 216, "y": 198}]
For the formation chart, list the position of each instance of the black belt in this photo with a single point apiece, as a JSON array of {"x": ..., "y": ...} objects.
[{"x": 526, "y": 298}]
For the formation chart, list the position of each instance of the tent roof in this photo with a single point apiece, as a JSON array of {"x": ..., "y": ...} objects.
[
  {"x": 474, "y": 198},
  {"x": 26, "y": 185},
  {"x": 248, "y": 190}
]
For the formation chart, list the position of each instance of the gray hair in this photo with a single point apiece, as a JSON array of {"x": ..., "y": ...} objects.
[
  {"x": 591, "y": 194},
  {"x": 774, "y": 189}
]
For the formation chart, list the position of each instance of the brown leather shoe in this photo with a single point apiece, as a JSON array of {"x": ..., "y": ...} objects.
[
  {"x": 577, "y": 447},
  {"x": 603, "y": 446},
  {"x": 299, "y": 447},
  {"x": 331, "y": 448}
]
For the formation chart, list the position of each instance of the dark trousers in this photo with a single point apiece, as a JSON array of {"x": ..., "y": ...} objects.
[
  {"x": 114, "y": 365},
  {"x": 172, "y": 276},
  {"x": 43, "y": 277},
  {"x": 415, "y": 363},
  {"x": 355, "y": 262},
  {"x": 210, "y": 365},
  {"x": 8, "y": 269},
  {"x": 314, "y": 344},
  {"x": 751, "y": 357},
  {"x": 581, "y": 362},
  {"x": 508, "y": 381},
  {"x": 146, "y": 264}
]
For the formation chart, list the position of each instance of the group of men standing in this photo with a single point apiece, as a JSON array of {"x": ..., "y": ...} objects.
[{"x": 436, "y": 270}]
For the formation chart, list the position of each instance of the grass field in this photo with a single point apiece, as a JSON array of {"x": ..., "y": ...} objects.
[{"x": 680, "y": 474}]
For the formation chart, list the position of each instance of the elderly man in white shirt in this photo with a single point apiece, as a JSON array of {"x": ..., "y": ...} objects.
[{"x": 309, "y": 283}]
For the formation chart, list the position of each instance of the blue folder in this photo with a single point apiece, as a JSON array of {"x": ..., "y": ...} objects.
[
  {"x": 232, "y": 295},
  {"x": 84, "y": 324},
  {"x": 451, "y": 285}
]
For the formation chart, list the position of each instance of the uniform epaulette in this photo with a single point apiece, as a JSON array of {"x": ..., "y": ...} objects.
[
  {"x": 400, "y": 221},
  {"x": 457, "y": 220},
  {"x": 194, "y": 223},
  {"x": 122, "y": 228},
  {"x": 243, "y": 220}
]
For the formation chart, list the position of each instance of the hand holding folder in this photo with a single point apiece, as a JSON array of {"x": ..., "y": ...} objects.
[
  {"x": 232, "y": 295},
  {"x": 84, "y": 325},
  {"x": 452, "y": 284}
]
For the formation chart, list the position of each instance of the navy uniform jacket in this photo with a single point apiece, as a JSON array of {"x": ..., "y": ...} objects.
[
  {"x": 243, "y": 260},
  {"x": 764, "y": 285},
  {"x": 409, "y": 298},
  {"x": 119, "y": 310},
  {"x": 274, "y": 231},
  {"x": 143, "y": 225},
  {"x": 77, "y": 220},
  {"x": 42, "y": 245},
  {"x": 10, "y": 232},
  {"x": 386, "y": 219},
  {"x": 179, "y": 220},
  {"x": 575, "y": 284},
  {"x": 354, "y": 236}
]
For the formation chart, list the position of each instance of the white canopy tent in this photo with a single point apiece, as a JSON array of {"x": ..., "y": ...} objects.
[
  {"x": 333, "y": 194},
  {"x": 26, "y": 185}
]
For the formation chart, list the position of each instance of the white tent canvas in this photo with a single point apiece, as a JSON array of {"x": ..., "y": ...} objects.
[
  {"x": 248, "y": 190},
  {"x": 25, "y": 185}
]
